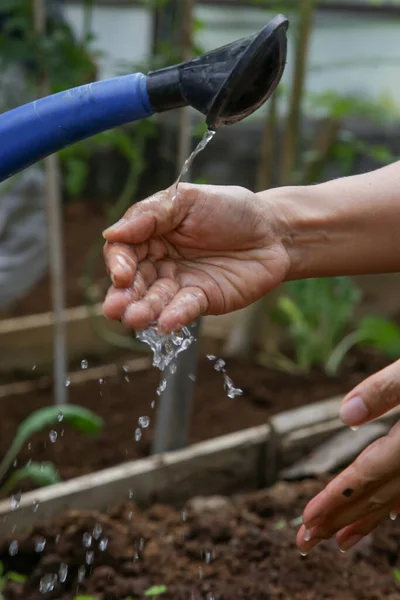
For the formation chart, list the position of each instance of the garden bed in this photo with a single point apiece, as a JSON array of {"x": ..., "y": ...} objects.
[
  {"x": 120, "y": 398},
  {"x": 238, "y": 548}
]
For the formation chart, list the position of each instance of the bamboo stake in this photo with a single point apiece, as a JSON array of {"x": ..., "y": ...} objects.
[
  {"x": 292, "y": 130},
  {"x": 55, "y": 242}
]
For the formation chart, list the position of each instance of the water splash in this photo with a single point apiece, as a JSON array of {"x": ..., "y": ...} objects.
[
  {"x": 87, "y": 540},
  {"x": 219, "y": 365},
  {"x": 103, "y": 544},
  {"x": 13, "y": 548},
  {"x": 165, "y": 347},
  {"x": 40, "y": 544},
  {"x": 48, "y": 583},
  {"x": 97, "y": 531},
  {"x": 144, "y": 422},
  {"x": 15, "y": 501},
  {"x": 63, "y": 572}
]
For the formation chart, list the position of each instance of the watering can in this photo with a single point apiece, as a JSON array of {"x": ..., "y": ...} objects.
[{"x": 226, "y": 85}]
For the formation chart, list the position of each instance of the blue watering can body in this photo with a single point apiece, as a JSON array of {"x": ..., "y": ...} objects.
[{"x": 225, "y": 85}]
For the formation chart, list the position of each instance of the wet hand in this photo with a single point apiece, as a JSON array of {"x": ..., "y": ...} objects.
[
  {"x": 211, "y": 250},
  {"x": 368, "y": 491}
]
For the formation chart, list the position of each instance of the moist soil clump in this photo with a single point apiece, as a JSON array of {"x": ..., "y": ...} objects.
[
  {"x": 232, "y": 549},
  {"x": 122, "y": 400}
]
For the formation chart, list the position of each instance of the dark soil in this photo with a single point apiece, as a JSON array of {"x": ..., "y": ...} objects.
[
  {"x": 122, "y": 402},
  {"x": 241, "y": 549},
  {"x": 83, "y": 224}
]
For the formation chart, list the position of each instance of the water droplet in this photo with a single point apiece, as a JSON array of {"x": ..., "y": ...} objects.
[
  {"x": 304, "y": 553},
  {"x": 89, "y": 557},
  {"x": 192, "y": 376},
  {"x": 126, "y": 378},
  {"x": 40, "y": 544},
  {"x": 219, "y": 365},
  {"x": 230, "y": 389},
  {"x": 101, "y": 381},
  {"x": 67, "y": 382},
  {"x": 13, "y": 548},
  {"x": 307, "y": 535},
  {"x": 211, "y": 357},
  {"x": 153, "y": 403},
  {"x": 165, "y": 348},
  {"x": 30, "y": 446},
  {"x": 354, "y": 428},
  {"x": 103, "y": 544},
  {"x": 393, "y": 515},
  {"x": 34, "y": 367},
  {"x": 97, "y": 531},
  {"x": 57, "y": 538},
  {"x": 60, "y": 416},
  {"x": 63, "y": 572},
  {"x": 172, "y": 368},
  {"x": 144, "y": 422},
  {"x": 130, "y": 494},
  {"x": 184, "y": 515},
  {"x": 130, "y": 515},
  {"x": 210, "y": 596},
  {"x": 81, "y": 573},
  {"x": 35, "y": 506},
  {"x": 207, "y": 558},
  {"x": 87, "y": 540},
  {"x": 138, "y": 434},
  {"x": 15, "y": 463},
  {"x": 141, "y": 544},
  {"x": 162, "y": 387},
  {"x": 15, "y": 501},
  {"x": 53, "y": 436},
  {"x": 84, "y": 364},
  {"x": 48, "y": 583}
]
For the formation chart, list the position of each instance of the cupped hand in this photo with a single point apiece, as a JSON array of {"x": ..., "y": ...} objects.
[
  {"x": 210, "y": 250},
  {"x": 354, "y": 503}
]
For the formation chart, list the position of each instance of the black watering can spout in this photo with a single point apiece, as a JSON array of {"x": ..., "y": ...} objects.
[{"x": 227, "y": 84}]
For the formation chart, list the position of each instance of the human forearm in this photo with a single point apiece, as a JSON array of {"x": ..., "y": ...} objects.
[{"x": 343, "y": 227}]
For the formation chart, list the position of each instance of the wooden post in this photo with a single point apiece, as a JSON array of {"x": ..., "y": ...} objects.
[{"x": 55, "y": 237}]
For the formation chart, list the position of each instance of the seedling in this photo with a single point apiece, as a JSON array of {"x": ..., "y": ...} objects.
[
  {"x": 6, "y": 577},
  {"x": 43, "y": 474},
  {"x": 155, "y": 591}
]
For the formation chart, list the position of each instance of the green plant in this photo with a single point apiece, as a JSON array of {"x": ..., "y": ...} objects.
[
  {"x": 6, "y": 577},
  {"x": 43, "y": 474},
  {"x": 318, "y": 312},
  {"x": 396, "y": 574},
  {"x": 155, "y": 591}
]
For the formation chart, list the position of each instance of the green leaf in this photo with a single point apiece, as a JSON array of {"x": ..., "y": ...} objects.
[
  {"x": 16, "y": 577},
  {"x": 156, "y": 590},
  {"x": 85, "y": 598},
  {"x": 396, "y": 574},
  {"x": 80, "y": 418},
  {"x": 42, "y": 474},
  {"x": 381, "y": 333}
]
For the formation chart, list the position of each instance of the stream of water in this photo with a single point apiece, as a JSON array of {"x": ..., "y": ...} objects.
[{"x": 166, "y": 348}]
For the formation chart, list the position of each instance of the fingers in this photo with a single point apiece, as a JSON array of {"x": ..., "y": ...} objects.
[
  {"x": 366, "y": 492},
  {"x": 189, "y": 304},
  {"x": 121, "y": 261},
  {"x": 373, "y": 397},
  {"x": 139, "y": 315},
  {"x": 155, "y": 216}
]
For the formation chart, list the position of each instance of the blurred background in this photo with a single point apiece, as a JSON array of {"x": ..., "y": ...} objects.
[{"x": 336, "y": 113}]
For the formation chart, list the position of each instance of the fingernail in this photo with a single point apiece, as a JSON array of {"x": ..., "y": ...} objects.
[
  {"x": 350, "y": 542},
  {"x": 354, "y": 411},
  {"x": 113, "y": 228},
  {"x": 393, "y": 515},
  {"x": 307, "y": 535}
]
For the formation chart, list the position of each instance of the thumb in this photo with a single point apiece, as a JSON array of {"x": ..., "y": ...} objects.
[
  {"x": 373, "y": 397},
  {"x": 157, "y": 215}
]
